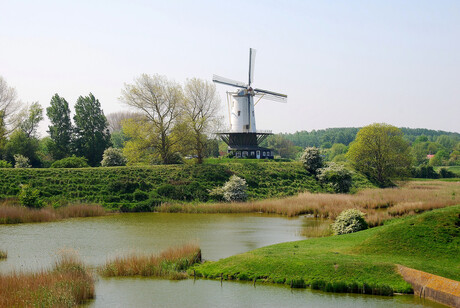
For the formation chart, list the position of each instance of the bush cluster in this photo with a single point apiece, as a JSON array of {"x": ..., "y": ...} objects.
[
  {"x": 312, "y": 159},
  {"x": 335, "y": 176},
  {"x": 113, "y": 157},
  {"x": 21, "y": 161},
  {"x": 349, "y": 221},
  {"x": 30, "y": 197}
]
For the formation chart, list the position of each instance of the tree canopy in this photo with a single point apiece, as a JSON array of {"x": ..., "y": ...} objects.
[
  {"x": 381, "y": 153},
  {"x": 61, "y": 129},
  {"x": 91, "y": 128}
]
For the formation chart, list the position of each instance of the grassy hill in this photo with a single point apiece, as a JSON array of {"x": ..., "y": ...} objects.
[
  {"x": 362, "y": 262},
  {"x": 140, "y": 188}
]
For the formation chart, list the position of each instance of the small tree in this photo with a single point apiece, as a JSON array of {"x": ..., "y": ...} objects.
[
  {"x": 21, "y": 161},
  {"x": 312, "y": 159},
  {"x": 335, "y": 176},
  {"x": 113, "y": 157},
  {"x": 30, "y": 197},
  {"x": 349, "y": 221},
  {"x": 235, "y": 189}
]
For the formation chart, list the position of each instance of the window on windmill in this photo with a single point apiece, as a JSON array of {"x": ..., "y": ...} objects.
[{"x": 239, "y": 112}]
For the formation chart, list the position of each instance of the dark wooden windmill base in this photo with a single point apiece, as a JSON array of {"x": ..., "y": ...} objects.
[{"x": 246, "y": 145}]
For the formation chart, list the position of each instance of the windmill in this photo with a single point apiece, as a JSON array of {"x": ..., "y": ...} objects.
[{"x": 243, "y": 138}]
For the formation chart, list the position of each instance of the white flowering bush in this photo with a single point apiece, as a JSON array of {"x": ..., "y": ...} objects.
[
  {"x": 349, "y": 221},
  {"x": 312, "y": 159},
  {"x": 21, "y": 161},
  {"x": 113, "y": 157},
  {"x": 235, "y": 189},
  {"x": 335, "y": 176}
]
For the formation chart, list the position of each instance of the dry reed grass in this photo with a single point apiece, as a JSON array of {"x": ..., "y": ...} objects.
[
  {"x": 170, "y": 263},
  {"x": 11, "y": 213},
  {"x": 68, "y": 284},
  {"x": 378, "y": 204}
]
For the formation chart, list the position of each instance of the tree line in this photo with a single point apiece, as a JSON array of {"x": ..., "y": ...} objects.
[{"x": 168, "y": 121}]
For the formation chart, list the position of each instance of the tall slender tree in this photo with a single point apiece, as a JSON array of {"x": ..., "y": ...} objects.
[
  {"x": 92, "y": 135},
  {"x": 60, "y": 129},
  {"x": 200, "y": 111}
]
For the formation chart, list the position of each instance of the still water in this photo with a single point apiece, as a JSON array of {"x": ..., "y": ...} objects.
[{"x": 35, "y": 246}]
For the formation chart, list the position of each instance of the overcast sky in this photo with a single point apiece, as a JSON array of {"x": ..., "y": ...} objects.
[{"x": 341, "y": 63}]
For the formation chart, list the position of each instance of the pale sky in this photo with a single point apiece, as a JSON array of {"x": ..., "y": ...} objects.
[{"x": 341, "y": 63}]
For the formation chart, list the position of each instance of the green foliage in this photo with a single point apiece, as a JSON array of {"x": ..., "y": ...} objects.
[
  {"x": 60, "y": 130},
  {"x": 92, "y": 135},
  {"x": 281, "y": 146},
  {"x": 445, "y": 173},
  {"x": 30, "y": 119},
  {"x": 312, "y": 160},
  {"x": 30, "y": 197},
  {"x": 21, "y": 161},
  {"x": 70, "y": 162},
  {"x": 425, "y": 172},
  {"x": 349, "y": 221},
  {"x": 381, "y": 153},
  {"x": 235, "y": 189},
  {"x": 335, "y": 176},
  {"x": 113, "y": 157},
  {"x": 5, "y": 164},
  {"x": 19, "y": 143}
]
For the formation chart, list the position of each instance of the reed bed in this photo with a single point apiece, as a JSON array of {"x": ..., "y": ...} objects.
[
  {"x": 11, "y": 213},
  {"x": 378, "y": 204},
  {"x": 171, "y": 263},
  {"x": 67, "y": 284}
]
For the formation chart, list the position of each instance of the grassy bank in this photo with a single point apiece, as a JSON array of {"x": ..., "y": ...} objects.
[
  {"x": 12, "y": 213},
  {"x": 140, "y": 188},
  {"x": 66, "y": 285},
  {"x": 379, "y": 204},
  {"x": 362, "y": 262},
  {"x": 171, "y": 263}
]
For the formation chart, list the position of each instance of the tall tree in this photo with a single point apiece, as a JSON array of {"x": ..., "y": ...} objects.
[
  {"x": 91, "y": 129},
  {"x": 9, "y": 106},
  {"x": 381, "y": 153},
  {"x": 60, "y": 130},
  {"x": 200, "y": 111},
  {"x": 158, "y": 100},
  {"x": 30, "y": 118}
]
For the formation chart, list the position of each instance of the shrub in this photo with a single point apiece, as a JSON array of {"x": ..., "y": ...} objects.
[
  {"x": 21, "y": 161},
  {"x": 140, "y": 195},
  {"x": 30, "y": 197},
  {"x": 235, "y": 189},
  {"x": 335, "y": 176},
  {"x": 5, "y": 164},
  {"x": 445, "y": 173},
  {"x": 70, "y": 162},
  {"x": 425, "y": 172},
  {"x": 349, "y": 221},
  {"x": 113, "y": 157},
  {"x": 312, "y": 159}
]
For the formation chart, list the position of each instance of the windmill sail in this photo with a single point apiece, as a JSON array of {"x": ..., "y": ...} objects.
[
  {"x": 252, "y": 60},
  {"x": 229, "y": 82}
]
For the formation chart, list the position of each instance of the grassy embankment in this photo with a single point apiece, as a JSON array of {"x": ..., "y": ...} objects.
[
  {"x": 13, "y": 213},
  {"x": 378, "y": 204},
  {"x": 362, "y": 262},
  {"x": 68, "y": 284},
  {"x": 171, "y": 263},
  {"x": 143, "y": 188}
]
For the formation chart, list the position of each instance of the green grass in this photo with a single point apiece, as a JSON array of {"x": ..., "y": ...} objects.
[
  {"x": 360, "y": 262},
  {"x": 136, "y": 187}
]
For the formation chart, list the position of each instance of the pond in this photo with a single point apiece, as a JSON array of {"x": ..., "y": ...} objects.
[{"x": 34, "y": 246}]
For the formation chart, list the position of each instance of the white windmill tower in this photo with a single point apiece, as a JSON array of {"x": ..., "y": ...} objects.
[{"x": 242, "y": 138}]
